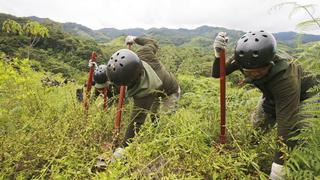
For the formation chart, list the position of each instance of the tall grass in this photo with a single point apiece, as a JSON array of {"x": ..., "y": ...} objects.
[{"x": 45, "y": 135}]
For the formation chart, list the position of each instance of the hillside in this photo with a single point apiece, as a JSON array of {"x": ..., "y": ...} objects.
[
  {"x": 77, "y": 30},
  {"x": 290, "y": 37},
  {"x": 60, "y": 52},
  {"x": 85, "y": 32},
  {"x": 45, "y": 133},
  {"x": 69, "y": 45}
]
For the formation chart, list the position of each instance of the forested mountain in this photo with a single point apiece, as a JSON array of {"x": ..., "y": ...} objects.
[
  {"x": 181, "y": 36},
  {"x": 60, "y": 52},
  {"x": 176, "y": 36},
  {"x": 76, "y": 29},
  {"x": 67, "y": 48},
  {"x": 291, "y": 37},
  {"x": 85, "y": 32}
]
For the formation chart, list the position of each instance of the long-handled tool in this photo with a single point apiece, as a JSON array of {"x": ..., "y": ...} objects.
[
  {"x": 89, "y": 81},
  {"x": 222, "y": 97},
  {"x": 105, "y": 98},
  {"x": 118, "y": 119},
  {"x": 121, "y": 95}
]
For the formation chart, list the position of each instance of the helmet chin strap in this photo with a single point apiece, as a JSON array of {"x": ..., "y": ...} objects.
[{"x": 271, "y": 64}]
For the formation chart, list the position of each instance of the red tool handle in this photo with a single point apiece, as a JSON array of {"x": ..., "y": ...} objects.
[
  {"x": 121, "y": 95},
  {"x": 222, "y": 97},
  {"x": 89, "y": 82},
  {"x": 105, "y": 98},
  {"x": 118, "y": 120}
]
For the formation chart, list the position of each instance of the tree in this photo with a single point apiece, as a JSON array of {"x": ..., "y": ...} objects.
[
  {"x": 32, "y": 29},
  {"x": 11, "y": 27},
  {"x": 309, "y": 9}
]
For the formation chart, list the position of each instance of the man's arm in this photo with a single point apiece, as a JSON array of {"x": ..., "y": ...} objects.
[
  {"x": 231, "y": 66},
  {"x": 147, "y": 43},
  {"x": 147, "y": 51},
  {"x": 219, "y": 44}
]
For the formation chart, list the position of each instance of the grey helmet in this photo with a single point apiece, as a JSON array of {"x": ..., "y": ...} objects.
[
  {"x": 255, "y": 49},
  {"x": 100, "y": 74},
  {"x": 124, "y": 68}
]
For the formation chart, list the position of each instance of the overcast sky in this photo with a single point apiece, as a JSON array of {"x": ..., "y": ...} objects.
[{"x": 234, "y": 14}]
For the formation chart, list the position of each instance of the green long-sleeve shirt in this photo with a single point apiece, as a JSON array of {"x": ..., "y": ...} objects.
[
  {"x": 154, "y": 82},
  {"x": 286, "y": 85}
]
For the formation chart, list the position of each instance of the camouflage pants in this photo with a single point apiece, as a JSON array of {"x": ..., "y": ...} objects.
[
  {"x": 264, "y": 115},
  {"x": 148, "y": 105},
  {"x": 170, "y": 102}
]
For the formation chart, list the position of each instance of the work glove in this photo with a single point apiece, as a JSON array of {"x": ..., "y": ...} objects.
[
  {"x": 220, "y": 43},
  {"x": 277, "y": 172},
  {"x": 91, "y": 63},
  {"x": 117, "y": 154},
  {"x": 130, "y": 40}
]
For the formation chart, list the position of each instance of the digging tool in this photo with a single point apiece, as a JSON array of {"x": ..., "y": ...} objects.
[
  {"x": 104, "y": 92},
  {"x": 89, "y": 81},
  {"x": 222, "y": 97},
  {"x": 105, "y": 98},
  {"x": 121, "y": 95}
]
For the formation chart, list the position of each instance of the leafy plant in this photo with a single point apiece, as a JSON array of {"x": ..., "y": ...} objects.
[
  {"x": 308, "y": 8},
  {"x": 32, "y": 29}
]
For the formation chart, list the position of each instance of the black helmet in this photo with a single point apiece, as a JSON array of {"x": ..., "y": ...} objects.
[
  {"x": 255, "y": 49},
  {"x": 100, "y": 74},
  {"x": 124, "y": 67}
]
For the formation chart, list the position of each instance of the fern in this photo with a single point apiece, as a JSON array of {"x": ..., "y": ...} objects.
[
  {"x": 309, "y": 9},
  {"x": 304, "y": 162}
]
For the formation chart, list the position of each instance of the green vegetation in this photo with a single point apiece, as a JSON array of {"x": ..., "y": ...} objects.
[
  {"x": 33, "y": 30},
  {"x": 45, "y": 135},
  {"x": 57, "y": 51},
  {"x": 308, "y": 8}
]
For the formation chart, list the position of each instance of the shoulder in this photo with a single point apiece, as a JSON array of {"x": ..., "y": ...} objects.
[
  {"x": 282, "y": 56},
  {"x": 286, "y": 83}
]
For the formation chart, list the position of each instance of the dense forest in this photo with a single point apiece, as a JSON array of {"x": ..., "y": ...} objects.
[{"x": 45, "y": 135}]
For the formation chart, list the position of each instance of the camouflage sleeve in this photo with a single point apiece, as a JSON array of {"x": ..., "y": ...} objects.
[
  {"x": 147, "y": 52},
  {"x": 231, "y": 66},
  {"x": 147, "y": 43}
]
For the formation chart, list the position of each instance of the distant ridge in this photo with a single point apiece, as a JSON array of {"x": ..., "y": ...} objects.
[{"x": 175, "y": 36}]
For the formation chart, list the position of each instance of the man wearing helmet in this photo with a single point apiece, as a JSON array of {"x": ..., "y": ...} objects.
[
  {"x": 147, "y": 82},
  {"x": 284, "y": 86},
  {"x": 101, "y": 84}
]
